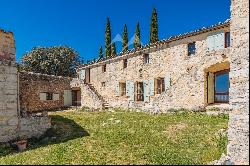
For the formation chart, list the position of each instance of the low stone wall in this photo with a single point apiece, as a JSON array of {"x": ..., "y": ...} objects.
[
  {"x": 32, "y": 84},
  {"x": 34, "y": 126}
]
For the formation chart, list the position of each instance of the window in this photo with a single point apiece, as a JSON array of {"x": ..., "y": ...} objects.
[
  {"x": 122, "y": 89},
  {"x": 146, "y": 58},
  {"x": 221, "y": 82},
  {"x": 218, "y": 87},
  {"x": 227, "y": 39},
  {"x": 104, "y": 67},
  {"x": 44, "y": 96},
  {"x": 103, "y": 84},
  {"x": 139, "y": 91},
  {"x": 125, "y": 63},
  {"x": 191, "y": 49},
  {"x": 160, "y": 85},
  {"x": 49, "y": 96}
]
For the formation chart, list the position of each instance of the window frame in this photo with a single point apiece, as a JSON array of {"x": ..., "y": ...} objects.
[
  {"x": 139, "y": 94},
  {"x": 49, "y": 96},
  {"x": 125, "y": 63},
  {"x": 159, "y": 81},
  {"x": 103, "y": 84},
  {"x": 227, "y": 45},
  {"x": 104, "y": 68},
  {"x": 216, "y": 74},
  {"x": 122, "y": 89},
  {"x": 146, "y": 59},
  {"x": 188, "y": 48}
]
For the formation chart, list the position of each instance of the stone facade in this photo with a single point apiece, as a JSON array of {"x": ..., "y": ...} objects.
[
  {"x": 187, "y": 74},
  {"x": 8, "y": 88},
  {"x": 238, "y": 134},
  {"x": 12, "y": 124},
  {"x": 33, "y": 85}
]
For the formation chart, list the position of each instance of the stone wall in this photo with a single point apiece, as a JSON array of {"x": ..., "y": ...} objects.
[
  {"x": 7, "y": 46},
  {"x": 32, "y": 84},
  {"x": 87, "y": 97},
  {"x": 238, "y": 134},
  {"x": 187, "y": 73},
  {"x": 12, "y": 125},
  {"x": 8, "y": 101},
  {"x": 33, "y": 126},
  {"x": 8, "y": 88}
]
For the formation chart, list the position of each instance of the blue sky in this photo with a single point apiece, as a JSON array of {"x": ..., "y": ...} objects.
[{"x": 80, "y": 24}]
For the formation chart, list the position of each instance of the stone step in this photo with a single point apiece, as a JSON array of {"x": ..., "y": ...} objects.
[{"x": 105, "y": 105}]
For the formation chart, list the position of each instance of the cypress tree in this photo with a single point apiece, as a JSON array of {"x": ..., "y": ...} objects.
[
  {"x": 113, "y": 50},
  {"x": 100, "y": 54},
  {"x": 154, "y": 27},
  {"x": 137, "y": 40},
  {"x": 125, "y": 39},
  {"x": 108, "y": 39}
]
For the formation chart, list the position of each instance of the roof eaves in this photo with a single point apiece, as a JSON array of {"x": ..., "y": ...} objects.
[{"x": 164, "y": 41}]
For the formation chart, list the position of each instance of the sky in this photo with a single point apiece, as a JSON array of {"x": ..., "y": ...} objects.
[{"x": 80, "y": 24}]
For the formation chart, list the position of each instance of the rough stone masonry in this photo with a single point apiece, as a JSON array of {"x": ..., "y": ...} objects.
[
  {"x": 12, "y": 124},
  {"x": 8, "y": 88},
  {"x": 238, "y": 133}
]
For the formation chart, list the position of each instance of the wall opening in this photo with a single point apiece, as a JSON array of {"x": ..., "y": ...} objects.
[
  {"x": 217, "y": 83},
  {"x": 139, "y": 95},
  {"x": 76, "y": 97}
]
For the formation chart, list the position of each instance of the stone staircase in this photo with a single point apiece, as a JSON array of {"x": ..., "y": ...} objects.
[{"x": 105, "y": 104}]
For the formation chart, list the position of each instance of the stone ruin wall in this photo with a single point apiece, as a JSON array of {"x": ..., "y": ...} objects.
[
  {"x": 8, "y": 87},
  {"x": 12, "y": 124}
]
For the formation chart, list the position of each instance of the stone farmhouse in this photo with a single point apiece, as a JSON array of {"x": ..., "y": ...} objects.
[
  {"x": 202, "y": 69},
  {"x": 180, "y": 72}
]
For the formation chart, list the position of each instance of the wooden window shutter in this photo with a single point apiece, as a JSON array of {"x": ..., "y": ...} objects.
[
  {"x": 67, "y": 97},
  {"x": 43, "y": 96},
  {"x": 117, "y": 88},
  {"x": 210, "y": 88},
  {"x": 55, "y": 96},
  {"x": 151, "y": 87},
  {"x": 146, "y": 91},
  {"x": 167, "y": 82},
  {"x": 128, "y": 88},
  {"x": 220, "y": 40},
  {"x": 211, "y": 42},
  {"x": 132, "y": 91}
]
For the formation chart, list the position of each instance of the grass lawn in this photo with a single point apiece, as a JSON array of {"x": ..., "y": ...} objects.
[{"x": 121, "y": 137}]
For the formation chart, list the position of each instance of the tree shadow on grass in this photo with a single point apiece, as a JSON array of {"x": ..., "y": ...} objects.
[{"x": 62, "y": 130}]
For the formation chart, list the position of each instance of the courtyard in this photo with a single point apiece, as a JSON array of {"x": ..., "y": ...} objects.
[{"x": 125, "y": 137}]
